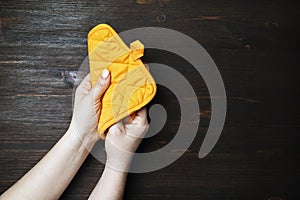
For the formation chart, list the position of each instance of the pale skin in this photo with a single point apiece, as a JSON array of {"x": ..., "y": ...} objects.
[{"x": 52, "y": 174}]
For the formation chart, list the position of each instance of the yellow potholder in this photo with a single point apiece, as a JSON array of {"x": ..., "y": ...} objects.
[{"x": 132, "y": 86}]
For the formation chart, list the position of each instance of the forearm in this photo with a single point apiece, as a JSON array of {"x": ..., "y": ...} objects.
[
  {"x": 51, "y": 175},
  {"x": 110, "y": 186}
]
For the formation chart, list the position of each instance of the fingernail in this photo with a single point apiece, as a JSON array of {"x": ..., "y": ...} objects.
[{"x": 105, "y": 74}]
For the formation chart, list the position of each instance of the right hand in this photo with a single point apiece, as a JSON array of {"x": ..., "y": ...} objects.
[{"x": 123, "y": 138}]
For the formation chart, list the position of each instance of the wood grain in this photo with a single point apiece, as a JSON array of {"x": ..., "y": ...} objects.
[{"x": 255, "y": 46}]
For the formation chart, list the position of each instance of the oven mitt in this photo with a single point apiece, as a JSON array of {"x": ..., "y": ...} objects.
[{"x": 132, "y": 86}]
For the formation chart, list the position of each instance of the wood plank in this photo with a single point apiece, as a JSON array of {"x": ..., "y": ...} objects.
[{"x": 255, "y": 46}]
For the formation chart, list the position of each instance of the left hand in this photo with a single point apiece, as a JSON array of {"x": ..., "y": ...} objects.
[{"x": 87, "y": 107}]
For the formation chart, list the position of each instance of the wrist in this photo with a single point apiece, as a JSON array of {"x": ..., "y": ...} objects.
[
  {"x": 85, "y": 140},
  {"x": 119, "y": 170},
  {"x": 119, "y": 164}
]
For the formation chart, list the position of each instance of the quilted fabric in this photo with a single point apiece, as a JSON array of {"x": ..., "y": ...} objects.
[{"x": 132, "y": 86}]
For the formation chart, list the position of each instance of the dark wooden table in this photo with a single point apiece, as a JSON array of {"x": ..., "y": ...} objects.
[{"x": 255, "y": 45}]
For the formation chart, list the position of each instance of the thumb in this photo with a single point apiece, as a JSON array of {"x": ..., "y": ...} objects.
[
  {"x": 117, "y": 128},
  {"x": 102, "y": 85}
]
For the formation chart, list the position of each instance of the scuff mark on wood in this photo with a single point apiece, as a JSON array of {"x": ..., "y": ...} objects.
[
  {"x": 6, "y": 20},
  {"x": 209, "y": 18},
  {"x": 204, "y": 114},
  {"x": 43, "y": 95},
  {"x": 161, "y": 18},
  {"x": 274, "y": 24},
  {"x": 202, "y": 18},
  {"x": 248, "y": 46},
  {"x": 180, "y": 150},
  {"x": 71, "y": 77},
  {"x": 160, "y": 3},
  {"x": 228, "y": 97},
  {"x": 142, "y": 2}
]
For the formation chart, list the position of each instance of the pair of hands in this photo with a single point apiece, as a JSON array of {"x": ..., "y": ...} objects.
[{"x": 122, "y": 138}]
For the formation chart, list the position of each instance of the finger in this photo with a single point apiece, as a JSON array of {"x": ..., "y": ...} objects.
[
  {"x": 142, "y": 112},
  {"x": 102, "y": 85},
  {"x": 127, "y": 120},
  {"x": 141, "y": 117},
  {"x": 116, "y": 129}
]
